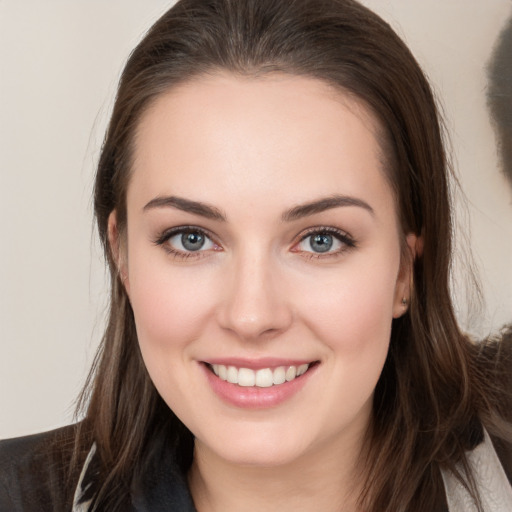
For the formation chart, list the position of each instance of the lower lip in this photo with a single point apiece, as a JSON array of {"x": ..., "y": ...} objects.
[{"x": 255, "y": 397}]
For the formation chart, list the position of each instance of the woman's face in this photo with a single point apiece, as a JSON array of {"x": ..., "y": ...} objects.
[{"x": 263, "y": 242}]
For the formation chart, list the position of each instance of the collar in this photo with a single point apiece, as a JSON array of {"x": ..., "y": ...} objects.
[
  {"x": 161, "y": 488},
  {"x": 81, "y": 500},
  {"x": 164, "y": 484},
  {"x": 490, "y": 478}
]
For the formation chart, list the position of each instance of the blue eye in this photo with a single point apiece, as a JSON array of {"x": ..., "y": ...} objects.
[
  {"x": 325, "y": 242},
  {"x": 321, "y": 242},
  {"x": 190, "y": 241},
  {"x": 185, "y": 241}
]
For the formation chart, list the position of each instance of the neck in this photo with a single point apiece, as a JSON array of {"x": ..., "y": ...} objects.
[{"x": 323, "y": 479}]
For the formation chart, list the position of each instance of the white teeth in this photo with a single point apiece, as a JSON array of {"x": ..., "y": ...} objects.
[
  {"x": 232, "y": 375},
  {"x": 279, "y": 375},
  {"x": 291, "y": 373},
  {"x": 246, "y": 377},
  {"x": 263, "y": 378},
  {"x": 301, "y": 370},
  {"x": 222, "y": 371}
]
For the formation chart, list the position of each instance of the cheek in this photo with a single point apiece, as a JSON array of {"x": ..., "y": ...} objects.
[
  {"x": 171, "y": 309},
  {"x": 352, "y": 315},
  {"x": 354, "y": 304},
  {"x": 171, "y": 305}
]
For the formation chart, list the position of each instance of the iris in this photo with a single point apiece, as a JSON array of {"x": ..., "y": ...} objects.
[
  {"x": 192, "y": 241},
  {"x": 321, "y": 242}
]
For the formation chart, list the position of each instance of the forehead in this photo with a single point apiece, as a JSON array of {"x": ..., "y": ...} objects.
[{"x": 260, "y": 135}]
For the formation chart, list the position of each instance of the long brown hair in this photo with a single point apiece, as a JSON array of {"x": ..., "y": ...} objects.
[{"x": 432, "y": 397}]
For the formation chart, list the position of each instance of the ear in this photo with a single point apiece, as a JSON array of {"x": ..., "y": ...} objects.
[
  {"x": 404, "y": 282},
  {"x": 118, "y": 250}
]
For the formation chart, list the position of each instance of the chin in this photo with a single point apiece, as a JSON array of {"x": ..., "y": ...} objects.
[
  {"x": 263, "y": 457},
  {"x": 257, "y": 447}
]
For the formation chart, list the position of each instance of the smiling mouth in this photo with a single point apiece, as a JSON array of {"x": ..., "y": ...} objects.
[{"x": 262, "y": 378}]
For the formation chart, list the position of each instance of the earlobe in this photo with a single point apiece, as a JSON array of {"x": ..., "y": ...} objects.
[
  {"x": 117, "y": 250},
  {"x": 405, "y": 281}
]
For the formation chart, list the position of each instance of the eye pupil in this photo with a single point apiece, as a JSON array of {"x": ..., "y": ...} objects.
[
  {"x": 321, "y": 242},
  {"x": 192, "y": 241}
]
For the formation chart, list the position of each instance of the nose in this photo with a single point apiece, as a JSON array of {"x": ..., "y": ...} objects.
[{"x": 255, "y": 301}]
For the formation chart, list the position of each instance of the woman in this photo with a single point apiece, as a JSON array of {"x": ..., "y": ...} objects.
[{"x": 273, "y": 199}]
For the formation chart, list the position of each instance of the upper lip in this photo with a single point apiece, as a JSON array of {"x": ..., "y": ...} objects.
[{"x": 257, "y": 363}]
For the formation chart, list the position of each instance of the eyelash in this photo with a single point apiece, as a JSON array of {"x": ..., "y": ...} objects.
[
  {"x": 176, "y": 253},
  {"x": 344, "y": 238}
]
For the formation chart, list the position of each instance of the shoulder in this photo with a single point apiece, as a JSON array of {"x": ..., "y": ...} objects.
[
  {"x": 504, "y": 452},
  {"x": 494, "y": 364},
  {"x": 495, "y": 352},
  {"x": 35, "y": 471},
  {"x": 496, "y": 359}
]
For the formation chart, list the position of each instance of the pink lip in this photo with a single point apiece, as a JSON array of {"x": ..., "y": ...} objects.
[{"x": 254, "y": 397}]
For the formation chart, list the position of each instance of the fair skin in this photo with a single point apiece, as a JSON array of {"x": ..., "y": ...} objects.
[{"x": 262, "y": 234}]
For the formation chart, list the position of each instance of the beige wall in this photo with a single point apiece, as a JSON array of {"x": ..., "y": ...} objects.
[{"x": 59, "y": 63}]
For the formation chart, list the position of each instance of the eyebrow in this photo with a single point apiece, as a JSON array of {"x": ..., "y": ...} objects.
[
  {"x": 186, "y": 205},
  {"x": 321, "y": 205},
  {"x": 295, "y": 213}
]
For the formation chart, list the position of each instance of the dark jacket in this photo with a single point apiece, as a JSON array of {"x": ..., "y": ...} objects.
[{"x": 34, "y": 477}]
